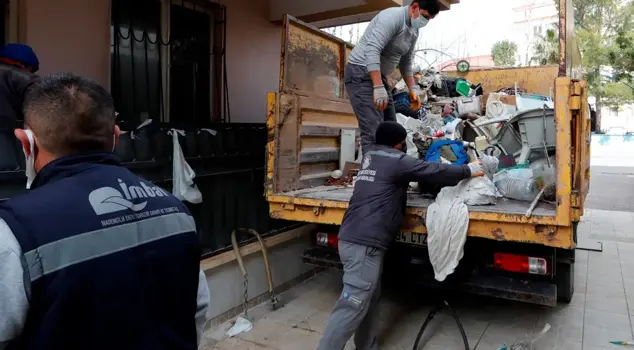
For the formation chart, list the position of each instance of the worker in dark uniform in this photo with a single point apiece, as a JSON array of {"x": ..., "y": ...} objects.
[
  {"x": 93, "y": 256},
  {"x": 374, "y": 217},
  {"x": 388, "y": 41},
  {"x": 17, "y": 64}
]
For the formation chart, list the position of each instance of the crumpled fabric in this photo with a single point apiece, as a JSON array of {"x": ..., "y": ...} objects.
[{"x": 447, "y": 218}]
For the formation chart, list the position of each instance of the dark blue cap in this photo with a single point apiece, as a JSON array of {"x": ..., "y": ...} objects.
[{"x": 21, "y": 53}]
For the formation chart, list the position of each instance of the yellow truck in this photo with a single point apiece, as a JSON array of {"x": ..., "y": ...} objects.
[{"x": 305, "y": 120}]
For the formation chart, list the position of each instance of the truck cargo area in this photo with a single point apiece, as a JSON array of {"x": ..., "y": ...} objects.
[{"x": 415, "y": 200}]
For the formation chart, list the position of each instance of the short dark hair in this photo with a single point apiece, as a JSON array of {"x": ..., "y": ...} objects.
[
  {"x": 390, "y": 134},
  {"x": 432, "y": 6},
  {"x": 70, "y": 114}
]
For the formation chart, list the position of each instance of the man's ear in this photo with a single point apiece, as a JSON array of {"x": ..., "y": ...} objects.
[
  {"x": 117, "y": 132},
  {"x": 24, "y": 140}
]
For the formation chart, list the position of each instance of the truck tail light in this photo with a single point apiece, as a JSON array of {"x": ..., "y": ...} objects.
[
  {"x": 520, "y": 263},
  {"x": 328, "y": 239}
]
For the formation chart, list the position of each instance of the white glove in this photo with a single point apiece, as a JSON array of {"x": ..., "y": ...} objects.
[
  {"x": 476, "y": 169},
  {"x": 381, "y": 98}
]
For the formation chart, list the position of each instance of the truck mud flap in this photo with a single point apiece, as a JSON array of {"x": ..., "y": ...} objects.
[
  {"x": 322, "y": 257},
  {"x": 534, "y": 292}
]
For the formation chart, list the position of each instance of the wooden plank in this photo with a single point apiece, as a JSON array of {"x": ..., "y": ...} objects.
[
  {"x": 323, "y": 131},
  {"x": 288, "y": 143},
  {"x": 319, "y": 155},
  {"x": 326, "y": 105}
]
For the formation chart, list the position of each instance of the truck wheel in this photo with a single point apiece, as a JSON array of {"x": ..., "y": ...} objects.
[{"x": 565, "y": 282}]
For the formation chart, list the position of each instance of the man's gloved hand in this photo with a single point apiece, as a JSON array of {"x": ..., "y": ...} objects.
[
  {"x": 414, "y": 98},
  {"x": 476, "y": 169},
  {"x": 381, "y": 98}
]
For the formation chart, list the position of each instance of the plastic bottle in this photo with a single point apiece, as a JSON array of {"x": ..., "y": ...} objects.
[{"x": 518, "y": 188}]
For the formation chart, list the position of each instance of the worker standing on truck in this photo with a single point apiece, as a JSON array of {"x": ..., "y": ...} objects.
[
  {"x": 374, "y": 217},
  {"x": 93, "y": 256},
  {"x": 388, "y": 41}
]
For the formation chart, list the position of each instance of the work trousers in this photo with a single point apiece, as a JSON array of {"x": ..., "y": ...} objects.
[
  {"x": 361, "y": 94},
  {"x": 357, "y": 307}
]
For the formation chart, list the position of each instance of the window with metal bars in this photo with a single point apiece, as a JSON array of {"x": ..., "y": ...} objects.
[{"x": 167, "y": 61}]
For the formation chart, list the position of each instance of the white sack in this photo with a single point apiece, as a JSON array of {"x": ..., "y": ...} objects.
[
  {"x": 183, "y": 186},
  {"x": 447, "y": 218}
]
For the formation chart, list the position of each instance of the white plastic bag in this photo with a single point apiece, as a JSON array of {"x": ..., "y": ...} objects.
[
  {"x": 183, "y": 186},
  {"x": 242, "y": 325},
  {"x": 447, "y": 218}
]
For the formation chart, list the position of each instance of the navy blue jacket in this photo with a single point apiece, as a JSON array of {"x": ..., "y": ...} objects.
[
  {"x": 377, "y": 207},
  {"x": 113, "y": 260}
]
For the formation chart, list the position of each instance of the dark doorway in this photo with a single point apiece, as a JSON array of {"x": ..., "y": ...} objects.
[{"x": 190, "y": 70}]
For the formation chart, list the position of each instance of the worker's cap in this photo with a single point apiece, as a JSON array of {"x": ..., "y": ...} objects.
[
  {"x": 390, "y": 134},
  {"x": 21, "y": 53}
]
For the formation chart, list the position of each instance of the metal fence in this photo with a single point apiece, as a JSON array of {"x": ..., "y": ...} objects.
[{"x": 230, "y": 178}]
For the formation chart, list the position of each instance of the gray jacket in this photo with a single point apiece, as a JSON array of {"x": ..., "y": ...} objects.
[
  {"x": 376, "y": 210},
  {"x": 387, "y": 42}
]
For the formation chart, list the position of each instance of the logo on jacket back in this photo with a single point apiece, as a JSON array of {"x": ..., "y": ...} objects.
[
  {"x": 106, "y": 200},
  {"x": 366, "y": 161}
]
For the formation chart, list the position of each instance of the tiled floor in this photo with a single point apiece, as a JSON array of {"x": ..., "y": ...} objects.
[{"x": 602, "y": 309}]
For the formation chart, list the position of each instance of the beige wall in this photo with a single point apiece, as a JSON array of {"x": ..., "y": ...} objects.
[
  {"x": 68, "y": 35},
  {"x": 74, "y": 35},
  {"x": 253, "y": 56}
]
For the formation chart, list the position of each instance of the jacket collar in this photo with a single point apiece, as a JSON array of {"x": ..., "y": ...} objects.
[
  {"x": 68, "y": 166},
  {"x": 387, "y": 149}
]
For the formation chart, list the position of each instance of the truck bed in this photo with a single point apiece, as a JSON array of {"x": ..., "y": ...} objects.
[{"x": 415, "y": 200}]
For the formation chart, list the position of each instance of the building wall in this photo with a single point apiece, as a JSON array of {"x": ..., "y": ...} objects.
[
  {"x": 226, "y": 283},
  {"x": 68, "y": 35},
  {"x": 74, "y": 35},
  {"x": 253, "y": 58}
]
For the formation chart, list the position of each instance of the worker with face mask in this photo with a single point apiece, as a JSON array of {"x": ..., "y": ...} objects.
[
  {"x": 370, "y": 224},
  {"x": 389, "y": 41},
  {"x": 93, "y": 256}
]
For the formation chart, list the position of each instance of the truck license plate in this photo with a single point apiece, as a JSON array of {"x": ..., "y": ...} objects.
[{"x": 412, "y": 238}]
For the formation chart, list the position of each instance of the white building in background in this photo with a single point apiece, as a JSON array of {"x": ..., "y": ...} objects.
[{"x": 531, "y": 19}]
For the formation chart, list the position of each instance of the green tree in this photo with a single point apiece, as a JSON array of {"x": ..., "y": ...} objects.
[
  {"x": 504, "y": 53},
  {"x": 622, "y": 57},
  {"x": 599, "y": 24},
  {"x": 546, "y": 48}
]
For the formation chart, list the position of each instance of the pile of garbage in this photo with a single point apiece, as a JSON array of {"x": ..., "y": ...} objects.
[
  {"x": 460, "y": 123},
  {"x": 512, "y": 135}
]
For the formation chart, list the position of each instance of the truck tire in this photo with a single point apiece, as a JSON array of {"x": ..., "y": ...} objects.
[{"x": 565, "y": 281}]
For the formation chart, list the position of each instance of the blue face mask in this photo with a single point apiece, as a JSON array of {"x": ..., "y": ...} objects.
[{"x": 420, "y": 22}]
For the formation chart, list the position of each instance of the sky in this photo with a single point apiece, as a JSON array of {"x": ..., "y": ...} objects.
[{"x": 470, "y": 28}]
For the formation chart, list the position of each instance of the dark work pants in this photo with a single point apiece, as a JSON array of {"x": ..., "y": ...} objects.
[
  {"x": 356, "y": 310},
  {"x": 361, "y": 94}
]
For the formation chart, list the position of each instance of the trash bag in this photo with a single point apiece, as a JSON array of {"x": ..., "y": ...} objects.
[
  {"x": 447, "y": 219},
  {"x": 183, "y": 185},
  {"x": 452, "y": 150}
]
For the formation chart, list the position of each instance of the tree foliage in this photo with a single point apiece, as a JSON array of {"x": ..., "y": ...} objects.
[
  {"x": 604, "y": 34},
  {"x": 546, "y": 48},
  {"x": 504, "y": 53}
]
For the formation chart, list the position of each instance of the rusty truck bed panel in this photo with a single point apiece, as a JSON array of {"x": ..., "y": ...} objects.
[{"x": 414, "y": 200}]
